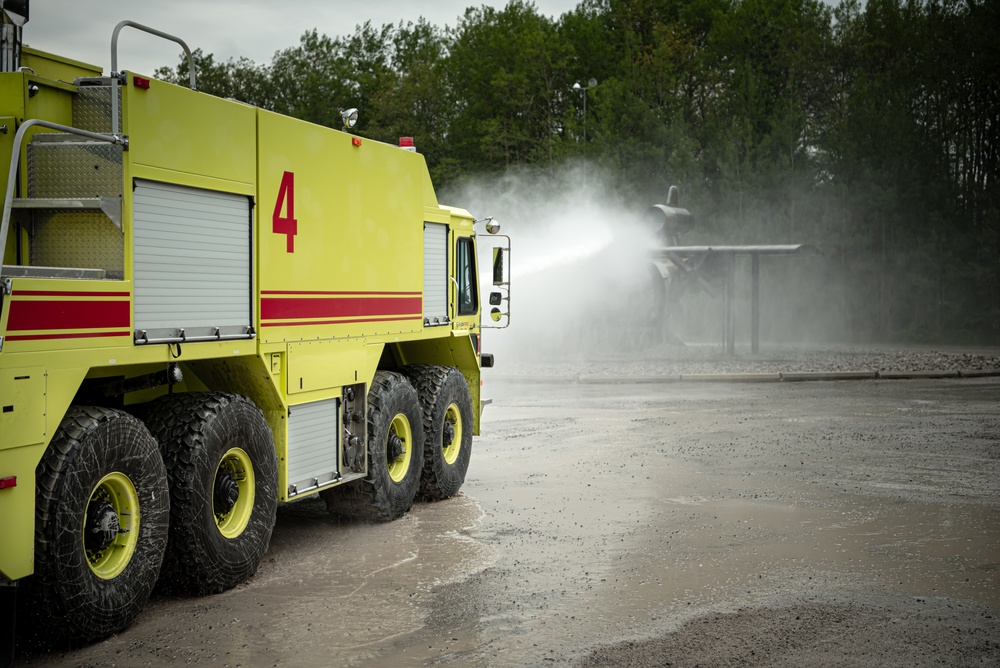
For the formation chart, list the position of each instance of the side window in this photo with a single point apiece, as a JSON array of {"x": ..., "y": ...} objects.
[{"x": 465, "y": 268}]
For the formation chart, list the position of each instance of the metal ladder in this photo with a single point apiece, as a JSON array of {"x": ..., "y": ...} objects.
[{"x": 73, "y": 208}]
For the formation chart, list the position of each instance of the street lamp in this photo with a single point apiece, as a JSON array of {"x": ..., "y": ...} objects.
[{"x": 577, "y": 87}]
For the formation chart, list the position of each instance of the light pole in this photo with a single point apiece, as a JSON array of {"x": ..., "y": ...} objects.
[{"x": 590, "y": 84}]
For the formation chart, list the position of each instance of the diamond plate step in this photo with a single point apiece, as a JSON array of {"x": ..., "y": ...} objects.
[{"x": 109, "y": 206}]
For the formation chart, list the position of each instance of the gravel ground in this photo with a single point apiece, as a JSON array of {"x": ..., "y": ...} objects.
[
  {"x": 710, "y": 359},
  {"x": 822, "y": 635},
  {"x": 648, "y": 524}
]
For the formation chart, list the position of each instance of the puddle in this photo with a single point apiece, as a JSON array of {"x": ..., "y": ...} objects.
[
  {"x": 593, "y": 515},
  {"x": 618, "y": 538}
]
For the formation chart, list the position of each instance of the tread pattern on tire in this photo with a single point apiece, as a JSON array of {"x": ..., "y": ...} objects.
[
  {"x": 376, "y": 498},
  {"x": 68, "y": 603},
  {"x": 440, "y": 480},
  {"x": 199, "y": 561}
]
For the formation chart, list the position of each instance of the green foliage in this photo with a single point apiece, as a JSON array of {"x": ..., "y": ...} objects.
[
  {"x": 411, "y": 100},
  {"x": 312, "y": 80},
  {"x": 241, "y": 79},
  {"x": 508, "y": 71},
  {"x": 871, "y": 130}
]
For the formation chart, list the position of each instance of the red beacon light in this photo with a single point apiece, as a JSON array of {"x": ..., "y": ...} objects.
[
  {"x": 141, "y": 82},
  {"x": 406, "y": 143}
]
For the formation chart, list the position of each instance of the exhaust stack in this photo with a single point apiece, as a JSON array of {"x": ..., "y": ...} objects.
[{"x": 13, "y": 16}]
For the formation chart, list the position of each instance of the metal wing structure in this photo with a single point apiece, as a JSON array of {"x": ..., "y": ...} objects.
[{"x": 683, "y": 268}]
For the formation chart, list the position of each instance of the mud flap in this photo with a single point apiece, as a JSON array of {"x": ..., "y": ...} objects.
[{"x": 8, "y": 606}]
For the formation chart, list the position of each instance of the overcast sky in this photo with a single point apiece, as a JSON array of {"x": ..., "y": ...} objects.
[{"x": 81, "y": 29}]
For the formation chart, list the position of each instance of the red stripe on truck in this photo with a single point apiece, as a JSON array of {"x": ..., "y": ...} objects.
[
  {"x": 68, "y": 293},
  {"x": 339, "y": 294},
  {"x": 274, "y": 308},
  {"x": 36, "y": 315},
  {"x": 72, "y": 335}
]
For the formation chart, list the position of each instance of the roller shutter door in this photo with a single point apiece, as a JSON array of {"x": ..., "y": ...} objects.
[
  {"x": 313, "y": 450},
  {"x": 435, "y": 274},
  {"x": 192, "y": 264}
]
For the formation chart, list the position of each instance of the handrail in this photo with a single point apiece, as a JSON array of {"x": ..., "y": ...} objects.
[
  {"x": 114, "y": 63},
  {"x": 151, "y": 31},
  {"x": 15, "y": 158}
]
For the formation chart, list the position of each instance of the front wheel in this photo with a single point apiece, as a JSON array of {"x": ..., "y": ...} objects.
[
  {"x": 447, "y": 408},
  {"x": 223, "y": 471},
  {"x": 102, "y": 512},
  {"x": 395, "y": 455}
]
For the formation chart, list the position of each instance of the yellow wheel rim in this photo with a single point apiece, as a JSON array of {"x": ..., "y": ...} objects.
[
  {"x": 452, "y": 417},
  {"x": 112, "y": 512},
  {"x": 235, "y": 472},
  {"x": 400, "y": 464}
]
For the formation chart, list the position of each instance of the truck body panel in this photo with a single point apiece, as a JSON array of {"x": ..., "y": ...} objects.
[{"x": 209, "y": 246}]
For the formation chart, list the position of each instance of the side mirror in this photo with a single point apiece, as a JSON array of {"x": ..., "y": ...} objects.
[
  {"x": 498, "y": 276},
  {"x": 499, "y": 296}
]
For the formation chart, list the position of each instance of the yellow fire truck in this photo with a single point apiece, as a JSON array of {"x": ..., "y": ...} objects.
[{"x": 208, "y": 309}]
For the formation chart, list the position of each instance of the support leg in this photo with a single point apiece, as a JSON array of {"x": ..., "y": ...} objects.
[
  {"x": 755, "y": 303},
  {"x": 730, "y": 324}
]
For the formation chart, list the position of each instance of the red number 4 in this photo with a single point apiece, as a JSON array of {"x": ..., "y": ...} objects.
[{"x": 286, "y": 224}]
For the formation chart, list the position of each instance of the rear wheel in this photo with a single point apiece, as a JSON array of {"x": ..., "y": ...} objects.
[
  {"x": 395, "y": 455},
  {"x": 223, "y": 471},
  {"x": 447, "y": 424},
  {"x": 102, "y": 512}
]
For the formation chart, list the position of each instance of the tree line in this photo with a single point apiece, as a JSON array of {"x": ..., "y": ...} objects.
[{"x": 871, "y": 131}]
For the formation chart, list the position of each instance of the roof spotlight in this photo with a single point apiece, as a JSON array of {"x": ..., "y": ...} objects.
[
  {"x": 492, "y": 226},
  {"x": 350, "y": 117}
]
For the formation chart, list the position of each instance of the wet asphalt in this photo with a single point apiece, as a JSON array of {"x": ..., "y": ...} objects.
[{"x": 643, "y": 523}]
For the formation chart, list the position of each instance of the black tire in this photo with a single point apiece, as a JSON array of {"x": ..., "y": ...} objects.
[
  {"x": 447, "y": 407},
  {"x": 212, "y": 443},
  {"x": 100, "y": 465},
  {"x": 393, "y": 478}
]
